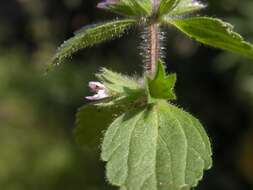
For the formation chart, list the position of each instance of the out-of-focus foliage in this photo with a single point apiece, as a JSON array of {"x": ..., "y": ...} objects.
[
  {"x": 243, "y": 82},
  {"x": 37, "y": 112}
]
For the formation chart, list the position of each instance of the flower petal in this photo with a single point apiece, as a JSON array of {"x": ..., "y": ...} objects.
[{"x": 99, "y": 90}]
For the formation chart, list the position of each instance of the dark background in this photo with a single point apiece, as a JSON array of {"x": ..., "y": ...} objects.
[{"x": 37, "y": 111}]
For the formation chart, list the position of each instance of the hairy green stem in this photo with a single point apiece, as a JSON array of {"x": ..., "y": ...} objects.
[
  {"x": 154, "y": 47},
  {"x": 154, "y": 40}
]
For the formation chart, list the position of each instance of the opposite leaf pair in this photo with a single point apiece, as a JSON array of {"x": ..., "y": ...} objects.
[{"x": 210, "y": 31}]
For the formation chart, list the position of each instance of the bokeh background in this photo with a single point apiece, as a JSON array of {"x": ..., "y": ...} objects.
[{"x": 37, "y": 111}]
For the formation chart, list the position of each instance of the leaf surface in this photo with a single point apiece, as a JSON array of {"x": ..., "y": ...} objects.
[
  {"x": 159, "y": 147},
  {"x": 133, "y": 8},
  {"x": 213, "y": 32},
  {"x": 91, "y": 35},
  {"x": 167, "y": 5},
  {"x": 186, "y": 7}
]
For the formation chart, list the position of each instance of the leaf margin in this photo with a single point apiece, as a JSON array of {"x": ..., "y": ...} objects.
[{"x": 93, "y": 34}]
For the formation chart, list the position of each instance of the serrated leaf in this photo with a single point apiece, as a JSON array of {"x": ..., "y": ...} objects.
[
  {"x": 186, "y": 7},
  {"x": 215, "y": 33},
  {"x": 91, "y": 120},
  {"x": 159, "y": 147},
  {"x": 90, "y": 36},
  {"x": 162, "y": 85},
  {"x": 167, "y": 5}
]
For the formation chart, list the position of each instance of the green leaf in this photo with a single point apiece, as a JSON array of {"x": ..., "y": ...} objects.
[
  {"x": 123, "y": 90},
  {"x": 134, "y": 8},
  {"x": 91, "y": 120},
  {"x": 159, "y": 147},
  {"x": 186, "y": 7},
  {"x": 167, "y": 5},
  {"x": 116, "y": 82},
  {"x": 141, "y": 7},
  {"x": 162, "y": 86},
  {"x": 213, "y": 32},
  {"x": 90, "y": 36}
]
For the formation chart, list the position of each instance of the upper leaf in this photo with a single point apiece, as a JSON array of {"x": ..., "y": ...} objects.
[
  {"x": 135, "y": 8},
  {"x": 213, "y": 32},
  {"x": 159, "y": 147},
  {"x": 162, "y": 85},
  {"x": 91, "y": 35},
  {"x": 186, "y": 7},
  {"x": 167, "y": 5}
]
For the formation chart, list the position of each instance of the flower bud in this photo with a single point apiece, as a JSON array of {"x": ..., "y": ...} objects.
[{"x": 99, "y": 90}]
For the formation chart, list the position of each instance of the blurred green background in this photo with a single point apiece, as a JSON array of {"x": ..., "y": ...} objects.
[{"x": 37, "y": 111}]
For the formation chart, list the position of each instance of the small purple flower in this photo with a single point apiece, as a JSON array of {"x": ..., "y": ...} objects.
[
  {"x": 106, "y": 3},
  {"x": 99, "y": 90}
]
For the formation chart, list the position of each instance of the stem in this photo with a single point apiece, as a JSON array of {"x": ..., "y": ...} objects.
[
  {"x": 155, "y": 6},
  {"x": 154, "y": 47},
  {"x": 154, "y": 40}
]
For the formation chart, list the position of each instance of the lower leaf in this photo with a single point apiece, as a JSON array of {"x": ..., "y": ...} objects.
[
  {"x": 158, "y": 147},
  {"x": 91, "y": 120}
]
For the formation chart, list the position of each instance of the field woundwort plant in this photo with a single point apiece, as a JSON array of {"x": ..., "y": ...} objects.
[{"x": 150, "y": 143}]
